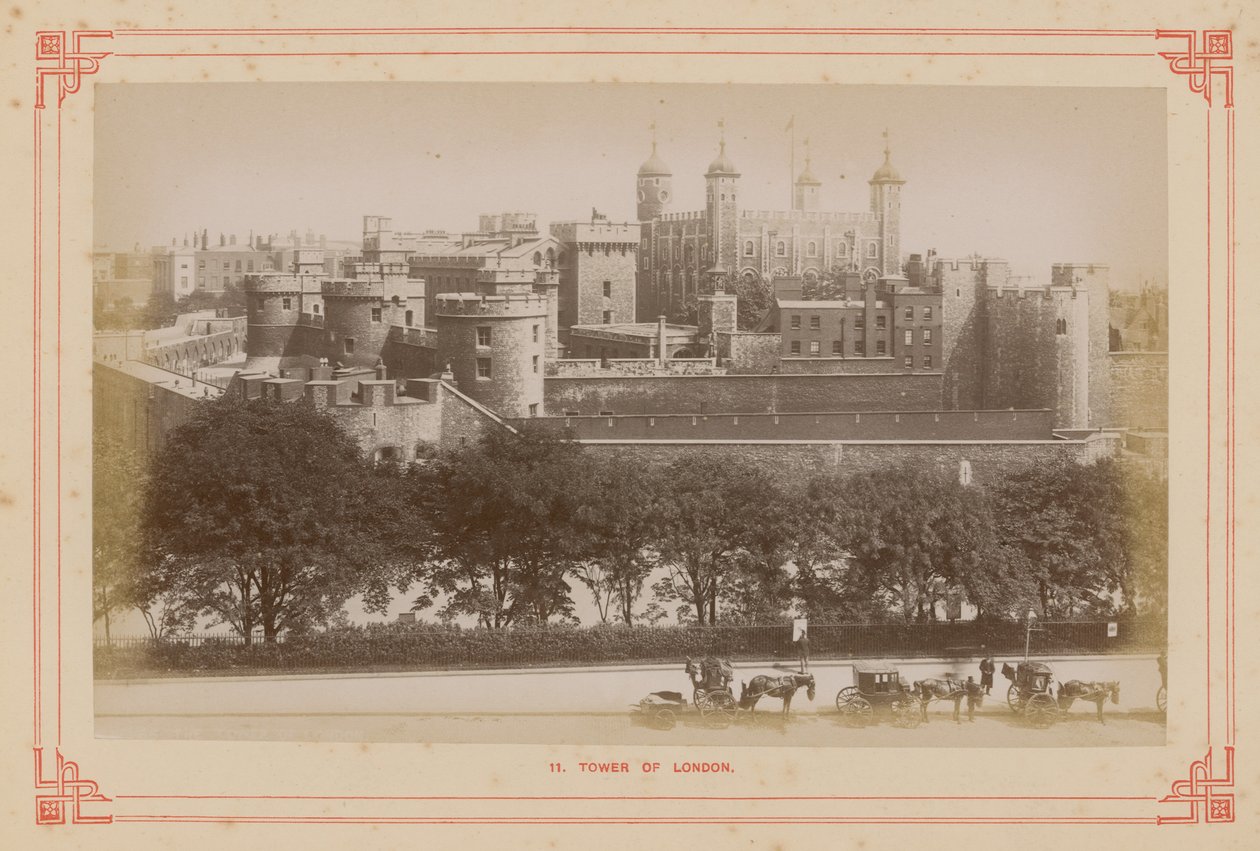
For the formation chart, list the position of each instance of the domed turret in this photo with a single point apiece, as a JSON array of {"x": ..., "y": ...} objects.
[
  {"x": 886, "y": 203},
  {"x": 886, "y": 173},
  {"x": 654, "y": 166},
  {"x": 723, "y": 164},
  {"x": 653, "y": 186}
]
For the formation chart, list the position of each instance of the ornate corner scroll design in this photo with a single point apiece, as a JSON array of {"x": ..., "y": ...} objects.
[
  {"x": 1203, "y": 792},
  {"x": 68, "y": 66},
  {"x": 67, "y": 794},
  {"x": 1201, "y": 60}
]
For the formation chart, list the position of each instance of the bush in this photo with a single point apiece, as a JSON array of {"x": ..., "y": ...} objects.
[{"x": 430, "y": 647}]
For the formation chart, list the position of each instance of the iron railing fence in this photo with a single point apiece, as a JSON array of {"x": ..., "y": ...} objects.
[{"x": 423, "y": 647}]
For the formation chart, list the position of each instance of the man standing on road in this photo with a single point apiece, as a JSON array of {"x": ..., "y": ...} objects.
[
  {"x": 986, "y": 673},
  {"x": 802, "y": 651},
  {"x": 974, "y": 697}
]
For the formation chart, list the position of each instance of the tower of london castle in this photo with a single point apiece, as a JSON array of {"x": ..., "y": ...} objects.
[{"x": 427, "y": 337}]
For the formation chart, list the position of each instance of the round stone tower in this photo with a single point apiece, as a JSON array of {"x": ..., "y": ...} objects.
[
  {"x": 354, "y": 322},
  {"x": 495, "y": 346},
  {"x": 272, "y": 310}
]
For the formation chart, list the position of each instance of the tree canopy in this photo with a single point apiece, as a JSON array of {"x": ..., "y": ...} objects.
[{"x": 267, "y": 517}]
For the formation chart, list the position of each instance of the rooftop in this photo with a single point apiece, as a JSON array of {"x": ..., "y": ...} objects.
[{"x": 637, "y": 329}]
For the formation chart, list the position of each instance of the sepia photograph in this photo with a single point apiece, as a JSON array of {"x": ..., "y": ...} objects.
[
  {"x": 559, "y": 413},
  {"x": 564, "y": 426}
]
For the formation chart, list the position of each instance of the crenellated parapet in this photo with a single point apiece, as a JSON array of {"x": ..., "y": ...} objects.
[
  {"x": 473, "y": 304},
  {"x": 353, "y": 288}
]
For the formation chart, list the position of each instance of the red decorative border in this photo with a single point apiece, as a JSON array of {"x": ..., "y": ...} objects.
[
  {"x": 1204, "y": 59},
  {"x": 1202, "y": 792},
  {"x": 70, "y": 66},
  {"x": 68, "y": 789}
]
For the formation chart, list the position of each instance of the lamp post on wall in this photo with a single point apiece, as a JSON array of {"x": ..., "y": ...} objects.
[{"x": 1028, "y": 631}]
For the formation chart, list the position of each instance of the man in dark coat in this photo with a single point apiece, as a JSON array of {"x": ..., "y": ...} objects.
[
  {"x": 802, "y": 651},
  {"x": 986, "y": 674}
]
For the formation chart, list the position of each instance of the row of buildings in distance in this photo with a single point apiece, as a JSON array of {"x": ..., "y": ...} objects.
[{"x": 627, "y": 334}]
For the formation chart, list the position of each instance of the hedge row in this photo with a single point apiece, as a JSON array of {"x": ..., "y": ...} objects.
[{"x": 423, "y": 647}]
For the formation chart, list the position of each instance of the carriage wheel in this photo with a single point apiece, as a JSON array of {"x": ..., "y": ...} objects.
[
  {"x": 1041, "y": 711},
  {"x": 1013, "y": 699},
  {"x": 856, "y": 711},
  {"x": 1161, "y": 699},
  {"x": 846, "y": 694},
  {"x": 665, "y": 719},
  {"x": 906, "y": 712},
  {"x": 697, "y": 697},
  {"x": 718, "y": 709}
]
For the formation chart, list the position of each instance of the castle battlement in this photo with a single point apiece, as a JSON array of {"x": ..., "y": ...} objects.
[
  {"x": 810, "y": 216},
  {"x": 473, "y": 304},
  {"x": 353, "y": 288},
  {"x": 286, "y": 284},
  {"x": 683, "y": 217},
  {"x": 596, "y": 233},
  {"x": 426, "y": 338}
]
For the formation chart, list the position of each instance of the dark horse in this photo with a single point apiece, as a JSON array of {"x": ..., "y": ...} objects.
[
  {"x": 781, "y": 687},
  {"x": 1095, "y": 693},
  {"x": 935, "y": 689}
]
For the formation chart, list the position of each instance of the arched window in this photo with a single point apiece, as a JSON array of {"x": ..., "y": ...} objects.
[
  {"x": 551, "y": 258},
  {"x": 408, "y": 317},
  {"x": 748, "y": 248},
  {"x": 811, "y": 250},
  {"x": 537, "y": 258},
  {"x": 780, "y": 249}
]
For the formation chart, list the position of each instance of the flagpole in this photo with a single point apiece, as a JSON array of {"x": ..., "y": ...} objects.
[{"x": 792, "y": 168}]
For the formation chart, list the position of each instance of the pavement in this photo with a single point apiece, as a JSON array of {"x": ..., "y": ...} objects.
[{"x": 593, "y": 704}]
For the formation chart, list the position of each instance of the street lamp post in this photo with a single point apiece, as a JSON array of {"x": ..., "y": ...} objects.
[{"x": 1032, "y": 616}]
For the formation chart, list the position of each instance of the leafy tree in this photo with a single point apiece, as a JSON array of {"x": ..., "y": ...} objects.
[
  {"x": 615, "y": 532},
  {"x": 703, "y": 526},
  {"x": 755, "y": 298},
  {"x": 264, "y": 515},
  {"x": 1063, "y": 526},
  {"x": 118, "y": 483},
  {"x": 758, "y": 588},
  {"x": 1146, "y": 521},
  {"x": 504, "y": 510},
  {"x": 826, "y": 585},
  {"x": 911, "y": 534}
]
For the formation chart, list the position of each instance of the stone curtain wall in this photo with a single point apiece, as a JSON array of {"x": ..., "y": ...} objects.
[
  {"x": 1139, "y": 390},
  {"x": 137, "y": 412},
  {"x": 930, "y": 425},
  {"x": 736, "y": 394},
  {"x": 796, "y": 462}
]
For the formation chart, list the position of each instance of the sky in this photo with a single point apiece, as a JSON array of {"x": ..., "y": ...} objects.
[{"x": 1035, "y": 175}]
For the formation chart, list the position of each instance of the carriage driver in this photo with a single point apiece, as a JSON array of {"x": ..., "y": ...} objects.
[{"x": 986, "y": 672}]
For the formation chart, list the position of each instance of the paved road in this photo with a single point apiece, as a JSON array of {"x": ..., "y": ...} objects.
[{"x": 589, "y": 705}]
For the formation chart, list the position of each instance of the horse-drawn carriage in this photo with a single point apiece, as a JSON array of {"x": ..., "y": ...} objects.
[
  {"x": 711, "y": 690},
  {"x": 878, "y": 684},
  {"x": 1033, "y": 696},
  {"x": 1030, "y": 694},
  {"x": 712, "y": 696}
]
